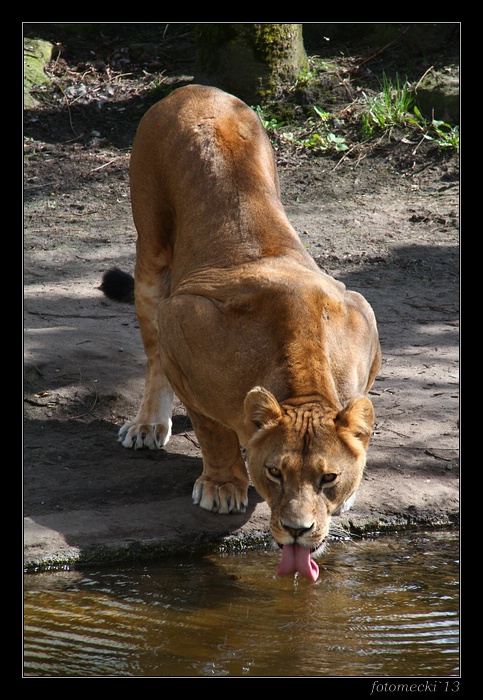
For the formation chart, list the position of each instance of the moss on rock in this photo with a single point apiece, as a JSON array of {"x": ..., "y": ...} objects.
[{"x": 36, "y": 55}]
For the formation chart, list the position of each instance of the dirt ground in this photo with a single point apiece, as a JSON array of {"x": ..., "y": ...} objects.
[{"x": 385, "y": 222}]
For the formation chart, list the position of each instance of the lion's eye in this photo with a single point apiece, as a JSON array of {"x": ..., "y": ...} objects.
[
  {"x": 328, "y": 478},
  {"x": 274, "y": 473}
]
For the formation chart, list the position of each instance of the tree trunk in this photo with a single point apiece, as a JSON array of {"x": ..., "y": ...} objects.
[{"x": 251, "y": 61}]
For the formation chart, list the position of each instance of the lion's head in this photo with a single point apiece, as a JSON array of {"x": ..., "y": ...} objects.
[{"x": 306, "y": 461}]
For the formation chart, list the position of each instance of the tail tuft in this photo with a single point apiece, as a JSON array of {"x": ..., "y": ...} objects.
[{"x": 118, "y": 285}]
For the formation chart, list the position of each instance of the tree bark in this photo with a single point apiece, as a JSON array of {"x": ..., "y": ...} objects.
[{"x": 251, "y": 61}]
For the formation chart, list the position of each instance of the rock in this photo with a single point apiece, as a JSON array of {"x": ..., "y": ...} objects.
[
  {"x": 36, "y": 55},
  {"x": 438, "y": 96}
]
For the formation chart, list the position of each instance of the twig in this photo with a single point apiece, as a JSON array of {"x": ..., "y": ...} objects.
[
  {"x": 422, "y": 78},
  {"x": 413, "y": 152},
  {"x": 119, "y": 75},
  {"x": 81, "y": 415},
  {"x": 346, "y": 155},
  {"x": 35, "y": 403},
  {"x": 383, "y": 48},
  {"x": 100, "y": 167},
  {"x": 188, "y": 437},
  {"x": 436, "y": 456},
  {"x": 68, "y": 109}
]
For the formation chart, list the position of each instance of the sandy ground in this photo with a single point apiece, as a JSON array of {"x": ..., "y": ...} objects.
[
  {"x": 388, "y": 234},
  {"x": 385, "y": 224}
]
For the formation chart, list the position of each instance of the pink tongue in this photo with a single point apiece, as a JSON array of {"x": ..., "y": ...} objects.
[{"x": 296, "y": 558}]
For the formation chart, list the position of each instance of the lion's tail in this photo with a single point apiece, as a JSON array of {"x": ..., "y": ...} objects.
[{"x": 118, "y": 285}]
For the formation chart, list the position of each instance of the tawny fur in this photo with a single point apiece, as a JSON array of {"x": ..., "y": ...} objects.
[{"x": 264, "y": 349}]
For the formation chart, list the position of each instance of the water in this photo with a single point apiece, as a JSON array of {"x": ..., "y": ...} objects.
[{"x": 382, "y": 607}]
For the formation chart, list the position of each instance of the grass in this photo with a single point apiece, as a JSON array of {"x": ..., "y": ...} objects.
[
  {"x": 394, "y": 107},
  {"x": 387, "y": 109},
  {"x": 390, "y": 113}
]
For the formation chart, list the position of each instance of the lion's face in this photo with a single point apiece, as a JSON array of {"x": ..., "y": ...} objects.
[{"x": 306, "y": 462}]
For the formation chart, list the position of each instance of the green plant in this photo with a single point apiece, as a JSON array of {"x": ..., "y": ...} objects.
[
  {"x": 159, "y": 87},
  {"x": 392, "y": 108},
  {"x": 445, "y": 135},
  {"x": 387, "y": 109},
  {"x": 325, "y": 142},
  {"x": 317, "y": 135},
  {"x": 323, "y": 138},
  {"x": 304, "y": 77},
  {"x": 323, "y": 116},
  {"x": 269, "y": 122}
]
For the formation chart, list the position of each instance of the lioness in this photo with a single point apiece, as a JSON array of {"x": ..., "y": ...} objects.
[{"x": 264, "y": 349}]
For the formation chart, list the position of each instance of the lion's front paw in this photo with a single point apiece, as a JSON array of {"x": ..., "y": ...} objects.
[
  {"x": 220, "y": 498},
  {"x": 137, "y": 435}
]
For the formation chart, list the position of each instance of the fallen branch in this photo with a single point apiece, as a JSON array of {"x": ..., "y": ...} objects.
[{"x": 100, "y": 167}]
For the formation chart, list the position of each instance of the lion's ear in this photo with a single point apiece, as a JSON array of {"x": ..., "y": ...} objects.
[
  {"x": 262, "y": 408},
  {"x": 354, "y": 423}
]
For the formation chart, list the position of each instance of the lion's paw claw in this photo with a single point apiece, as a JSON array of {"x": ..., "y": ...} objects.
[
  {"x": 220, "y": 498},
  {"x": 152, "y": 435}
]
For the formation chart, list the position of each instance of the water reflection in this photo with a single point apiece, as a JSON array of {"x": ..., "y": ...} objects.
[{"x": 386, "y": 607}]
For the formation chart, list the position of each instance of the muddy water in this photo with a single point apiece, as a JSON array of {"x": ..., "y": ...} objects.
[{"x": 382, "y": 607}]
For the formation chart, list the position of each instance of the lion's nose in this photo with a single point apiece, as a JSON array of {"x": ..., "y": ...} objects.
[{"x": 297, "y": 530}]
